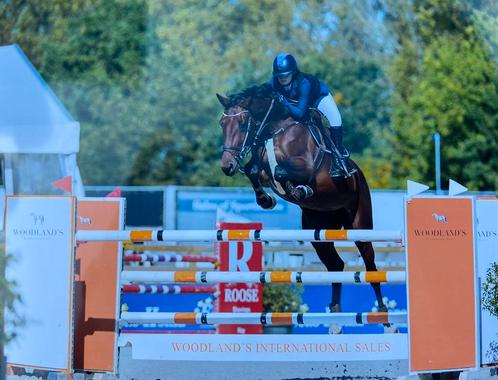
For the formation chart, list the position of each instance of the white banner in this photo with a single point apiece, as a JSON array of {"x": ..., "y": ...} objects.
[
  {"x": 487, "y": 254},
  {"x": 39, "y": 239},
  {"x": 271, "y": 347}
]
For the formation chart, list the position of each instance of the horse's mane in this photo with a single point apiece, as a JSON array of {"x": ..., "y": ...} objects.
[{"x": 259, "y": 91}]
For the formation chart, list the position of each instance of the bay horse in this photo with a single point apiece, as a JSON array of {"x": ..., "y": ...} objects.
[{"x": 284, "y": 155}]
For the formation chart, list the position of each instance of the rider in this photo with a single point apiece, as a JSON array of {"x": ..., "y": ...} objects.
[{"x": 298, "y": 91}]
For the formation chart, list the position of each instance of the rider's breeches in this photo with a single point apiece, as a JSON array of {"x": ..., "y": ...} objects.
[{"x": 328, "y": 107}]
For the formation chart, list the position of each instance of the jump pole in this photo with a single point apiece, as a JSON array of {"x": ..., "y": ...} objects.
[
  {"x": 164, "y": 258},
  {"x": 240, "y": 235},
  {"x": 128, "y": 318},
  {"x": 312, "y": 278},
  {"x": 167, "y": 289}
]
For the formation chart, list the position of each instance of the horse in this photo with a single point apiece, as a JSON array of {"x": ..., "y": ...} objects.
[{"x": 285, "y": 156}]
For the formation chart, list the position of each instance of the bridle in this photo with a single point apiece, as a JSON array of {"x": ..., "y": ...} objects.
[{"x": 240, "y": 153}]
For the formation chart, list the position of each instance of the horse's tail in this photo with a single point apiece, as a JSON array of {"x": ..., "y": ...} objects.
[{"x": 364, "y": 205}]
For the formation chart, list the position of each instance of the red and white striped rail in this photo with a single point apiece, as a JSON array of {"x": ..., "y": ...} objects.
[
  {"x": 168, "y": 289},
  {"x": 240, "y": 235},
  {"x": 262, "y": 277},
  {"x": 128, "y": 318},
  {"x": 165, "y": 258}
]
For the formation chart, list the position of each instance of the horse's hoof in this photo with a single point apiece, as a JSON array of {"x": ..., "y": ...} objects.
[
  {"x": 335, "y": 329},
  {"x": 383, "y": 309},
  {"x": 391, "y": 329},
  {"x": 334, "y": 308},
  {"x": 267, "y": 201}
]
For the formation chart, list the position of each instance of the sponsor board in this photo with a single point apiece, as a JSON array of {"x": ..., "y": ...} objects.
[
  {"x": 40, "y": 238},
  {"x": 267, "y": 347},
  {"x": 487, "y": 255},
  {"x": 441, "y": 283}
]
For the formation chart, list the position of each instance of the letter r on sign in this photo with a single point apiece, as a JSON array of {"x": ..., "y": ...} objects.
[{"x": 239, "y": 253}]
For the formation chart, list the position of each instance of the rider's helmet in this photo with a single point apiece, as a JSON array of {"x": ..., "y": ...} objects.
[{"x": 284, "y": 64}]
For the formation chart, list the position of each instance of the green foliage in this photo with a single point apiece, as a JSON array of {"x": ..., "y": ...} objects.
[
  {"x": 103, "y": 42},
  {"x": 282, "y": 297},
  {"x": 141, "y": 77},
  {"x": 490, "y": 290},
  {"x": 8, "y": 301},
  {"x": 445, "y": 81}
]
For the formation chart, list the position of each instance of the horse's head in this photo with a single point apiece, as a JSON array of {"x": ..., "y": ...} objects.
[
  {"x": 243, "y": 114},
  {"x": 236, "y": 123}
]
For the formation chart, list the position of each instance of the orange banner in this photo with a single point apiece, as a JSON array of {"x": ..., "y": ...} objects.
[
  {"x": 441, "y": 284},
  {"x": 96, "y": 281}
]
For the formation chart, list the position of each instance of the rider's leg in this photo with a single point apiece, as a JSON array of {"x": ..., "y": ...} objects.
[
  {"x": 336, "y": 134},
  {"x": 329, "y": 109}
]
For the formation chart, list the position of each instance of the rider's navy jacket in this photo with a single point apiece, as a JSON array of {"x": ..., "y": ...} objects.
[{"x": 303, "y": 92}]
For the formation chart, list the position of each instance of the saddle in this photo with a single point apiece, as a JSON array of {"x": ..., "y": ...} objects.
[
  {"x": 319, "y": 128},
  {"x": 319, "y": 132}
]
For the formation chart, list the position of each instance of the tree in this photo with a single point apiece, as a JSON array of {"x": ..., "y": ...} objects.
[{"x": 436, "y": 92}]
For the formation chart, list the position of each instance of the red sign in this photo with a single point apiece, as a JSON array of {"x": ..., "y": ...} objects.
[{"x": 240, "y": 256}]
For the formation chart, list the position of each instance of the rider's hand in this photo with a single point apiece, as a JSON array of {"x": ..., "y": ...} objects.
[{"x": 280, "y": 98}]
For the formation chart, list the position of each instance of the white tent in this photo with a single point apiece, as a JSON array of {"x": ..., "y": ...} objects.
[{"x": 39, "y": 139}]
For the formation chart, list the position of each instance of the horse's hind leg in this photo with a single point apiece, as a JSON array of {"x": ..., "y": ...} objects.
[
  {"x": 326, "y": 251},
  {"x": 368, "y": 256},
  {"x": 363, "y": 220},
  {"x": 330, "y": 258}
]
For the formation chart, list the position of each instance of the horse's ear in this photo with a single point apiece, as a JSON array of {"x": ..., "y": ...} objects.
[{"x": 223, "y": 100}]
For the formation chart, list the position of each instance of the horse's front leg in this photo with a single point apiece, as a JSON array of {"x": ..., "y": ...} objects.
[
  {"x": 297, "y": 193},
  {"x": 253, "y": 172}
]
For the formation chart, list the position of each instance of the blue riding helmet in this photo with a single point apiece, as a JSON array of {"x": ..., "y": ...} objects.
[{"x": 284, "y": 64}]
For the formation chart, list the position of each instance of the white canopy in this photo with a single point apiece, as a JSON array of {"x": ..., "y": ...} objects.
[
  {"x": 38, "y": 137},
  {"x": 32, "y": 119}
]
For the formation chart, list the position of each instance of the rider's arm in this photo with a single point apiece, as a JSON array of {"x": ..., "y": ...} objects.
[{"x": 299, "y": 109}]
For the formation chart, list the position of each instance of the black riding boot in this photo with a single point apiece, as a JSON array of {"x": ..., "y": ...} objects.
[{"x": 339, "y": 167}]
